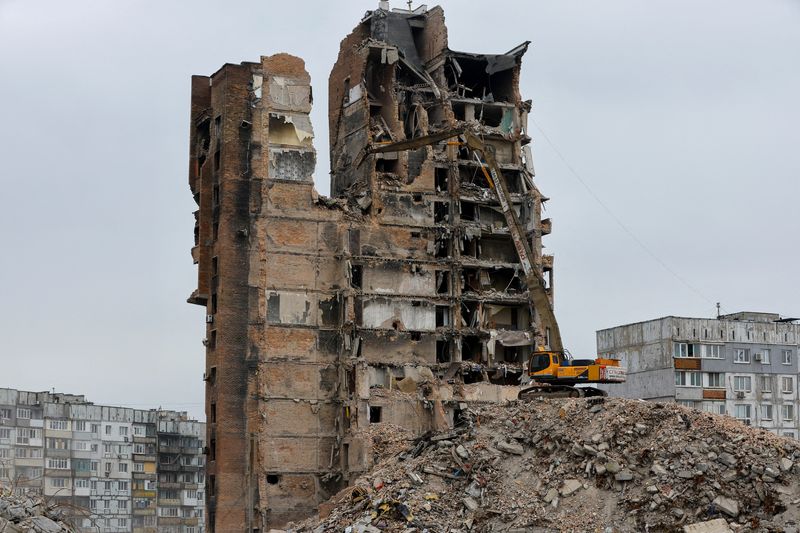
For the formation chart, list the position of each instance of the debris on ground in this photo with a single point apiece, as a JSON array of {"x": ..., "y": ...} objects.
[
  {"x": 25, "y": 513},
  {"x": 596, "y": 464}
]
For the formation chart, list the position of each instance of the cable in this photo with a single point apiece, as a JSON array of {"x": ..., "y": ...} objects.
[{"x": 616, "y": 219}]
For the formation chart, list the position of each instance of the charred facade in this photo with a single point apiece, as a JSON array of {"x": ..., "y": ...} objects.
[{"x": 398, "y": 300}]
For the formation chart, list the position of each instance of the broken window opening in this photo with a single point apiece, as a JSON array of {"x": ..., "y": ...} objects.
[
  {"x": 508, "y": 317},
  {"x": 356, "y": 276},
  {"x": 441, "y": 212},
  {"x": 388, "y": 166},
  {"x": 375, "y": 413},
  {"x": 440, "y": 178},
  {"x": 443, "y": 354},
  {"x": 470, "y": 247},
  {"x": 442, "y": 282},
  {"x": 273, "y": 479},
  {"x": 212, "y": 450},
  {"x": 513, "y": 180},
  {"x": 505, "y": 376},
  {"x": 498, "y": 249},
  {"x": 211, "y": 376},
  {"x": 442, "y": 247},
  {"x": 416, "y": 336},
  {"x": 417, "y": 197},
  {"x": 212, "y": 339},
  {"x": 472, "y": 174},
  {"x": 212, "y": 486},
  {"x": 442, "y": 316},
  {"x": 470, "y": 313},
  {"x": 416, "y": 235},
  {"x": 217, "y": 159},
  {"x": 467, "y": 76},
  {"x": 468, "y": 211},
  {"x": 212, "y": 415}
]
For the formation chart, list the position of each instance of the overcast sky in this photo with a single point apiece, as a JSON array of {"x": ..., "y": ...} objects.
[{"x": 680, "y": 116}]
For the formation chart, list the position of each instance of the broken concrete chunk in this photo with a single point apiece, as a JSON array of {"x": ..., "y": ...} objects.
[
  {"x": 551, "y": 495},
  {"x": 718, "y": 525},
  {"x": 728, "y": 506},
  {"x": 613, "y": 467},
  {"x": 786, "y": 464},
  {"x": 570, "y": 486},
  {"x": 727, "y": 459},
  {"x": 471, "y": 504},
  {"x": 624, "y": 475},
  {"x": 510, "y": 447}
]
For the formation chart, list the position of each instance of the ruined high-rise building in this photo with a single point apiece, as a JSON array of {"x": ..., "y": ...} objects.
[{"x": 399, "y": 299}]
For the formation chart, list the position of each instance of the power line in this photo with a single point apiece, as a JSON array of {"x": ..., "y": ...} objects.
[{"x": 616, "y": 219}]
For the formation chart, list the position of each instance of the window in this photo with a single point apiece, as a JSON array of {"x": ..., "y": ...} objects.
[
  {"x": 712, "y": 351},
  {"x": 765, "y": 357},
  {"x": 123, "y": 486},
  {"x": 5, "y": 414},
  {"x": 786, "y": 357},
  {"x": 59, "y": 425},
  {"x": 5, "y": 453},
  {"x": 59, "y": 464},
  {"x": 108, "y": 430},
  {"x": 108, "y": 467},
  {"x": 742, "y": 384},
  {"x": 5, "y": 433},
  {"x": 766, "y": 412},
  {"x": 687, "y": 403},
  {"x": 787, "y": 384},
  {"x": 789, "y": 434},
  {"x": 24, "y": 435},
  {"x": 58, "y": 482},
  {"x": 740, "y": 355},
  {"x": 716, "y": 380},
  {"x": 123, "y": 431},
  {"x": 108, "y": 447},
  {"x": 23, "y": 413},
  {"x": 96, "y": 428},
  {"x": 138, "y": 430},
  {"x": 95, "y": 465},
  {"x": 81, "y": 483},
  {"x": 766, "y": 383},
  {"x": 79, "y": 425},
  {"x": 743, "y": 413},
  {"x": 688, "y": 379},
  {"x": 122, "y": 467},
  {"x": 138, "y": 467},
  {"x": 138, "y": 448},
  {"x": 682, "y": 349},
  {"x": 718, "y": 408},
  {"x": 787, "y": 412}
]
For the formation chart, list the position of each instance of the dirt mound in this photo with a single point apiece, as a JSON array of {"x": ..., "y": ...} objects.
[{"x": 578, "y": 465}]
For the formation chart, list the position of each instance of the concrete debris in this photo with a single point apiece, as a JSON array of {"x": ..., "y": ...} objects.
[
  {"x": 642, "y": 481},
  {"x": 19, "y": 514}
]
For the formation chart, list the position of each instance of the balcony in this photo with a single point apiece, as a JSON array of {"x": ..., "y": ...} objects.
[
  {"x": 169, "y": 449},
  {"x": 170, "y": 485},
  {"x": 714, "y": 394},
  {"x": 149, "y": 494},
  {"x": 145, "y": 475},
  {"x": 689, "y": 363},
  {"x": 169, "y": 502}
]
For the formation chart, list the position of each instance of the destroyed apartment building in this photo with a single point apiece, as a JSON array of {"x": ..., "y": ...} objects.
[{"x": 400, "y": 299}]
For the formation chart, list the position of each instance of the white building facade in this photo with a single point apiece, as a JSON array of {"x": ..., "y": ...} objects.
[{"x": 743, "y": 365}]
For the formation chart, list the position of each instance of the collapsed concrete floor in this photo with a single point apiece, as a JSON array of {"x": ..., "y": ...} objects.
[{"x": 574, "y": 465}]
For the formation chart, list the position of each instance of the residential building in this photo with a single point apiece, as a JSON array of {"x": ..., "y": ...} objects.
[
  {"x": 743, "y": 365},
  {"x": 399, "y": 300},
  {"x": 103, "y": 463}
]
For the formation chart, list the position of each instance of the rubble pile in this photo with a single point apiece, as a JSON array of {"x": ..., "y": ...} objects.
[
  {"x": 594, "y": 464},
  {"x": 30, "y": 513}
]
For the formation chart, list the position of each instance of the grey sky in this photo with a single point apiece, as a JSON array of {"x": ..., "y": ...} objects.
[{"x": 681, "y": 115}]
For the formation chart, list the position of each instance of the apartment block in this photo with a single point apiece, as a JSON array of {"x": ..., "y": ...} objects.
[
  {"x": 743, "y": 365},
  {"x": 113, "y": 468},
  {"x": 400, "y": 299}
]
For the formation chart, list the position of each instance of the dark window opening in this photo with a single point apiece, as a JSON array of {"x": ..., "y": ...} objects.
[
  {"x": 215, "y": 228},
  {"x": 417, "y": 198},
  {"x": 490, "y": 115},
  {"x": 213, "y": 307},
  {"x": 217, "y": 159},
  {"x": 441, "y": 212},
  {"x": 443, "y": 351},
  {"x": 356, "y": 276},
  {"x": 386, "y": 165},
  {"x": 212, "y": 450},
  {"x": 442, "y": 316},
  {"x": 442, "y": 282},
  {"x": 273, "y": 479},
  {"x": 440, "y": 179},
  {"x": 470, "y": 247},
  {"x": 215, "y": 197},
  {"x": 375, "y": 413},
  {"x": 468, "y": 211},
  {"x": 212, "y": 416},
  {"x": 212, "y": 339},
  {"x": 442, "y": 247},
  {"x": 472, "y": 174},
  {"x": 218, "y": 128},
  {"x": 469, "y": 314},
  {"x": 416, "y": 336},
  {"x": 211, "y": 375},
  {"x": 416, "y": 235},
  {"x": 472, "y": 376},
  {"x": 212, "y": 485},
  {"x": 513, "y": 180}
]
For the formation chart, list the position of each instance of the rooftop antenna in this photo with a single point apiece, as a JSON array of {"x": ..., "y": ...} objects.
[
  {"x": 409, "y": 5},
  {"x": 718, "y": 313}
]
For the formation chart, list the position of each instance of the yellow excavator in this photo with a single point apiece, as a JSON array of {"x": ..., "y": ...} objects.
[{"x": 550, "y": 369}]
